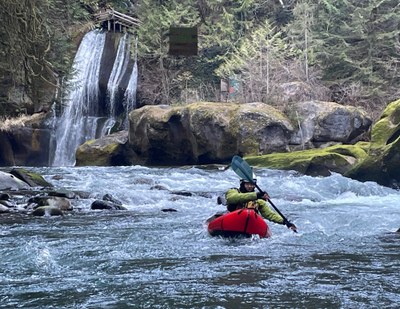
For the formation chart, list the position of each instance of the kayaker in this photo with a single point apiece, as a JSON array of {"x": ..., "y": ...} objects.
[{"x": 246, "y": 197}]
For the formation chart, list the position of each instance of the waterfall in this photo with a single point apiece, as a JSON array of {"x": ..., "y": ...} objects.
[
  {"x": 83, "y": 118},
  {"x": 78, "y": 121},
  {"x": 130, "y": 92},
  {"x": 118, "y": 71},
  {"x": 52, "y": 123}
]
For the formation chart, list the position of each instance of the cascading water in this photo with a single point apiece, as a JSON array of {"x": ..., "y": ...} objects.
[
  {"x": 130, "y": 93},
  {"x": 118, "y": 71},
  {"x": 78, "y": 121},
  {"x": 81, "y": 119},
  {"x": 52, "y": 124}
]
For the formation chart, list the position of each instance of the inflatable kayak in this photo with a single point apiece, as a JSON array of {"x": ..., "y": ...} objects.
[{"x": 238, "y": 223}]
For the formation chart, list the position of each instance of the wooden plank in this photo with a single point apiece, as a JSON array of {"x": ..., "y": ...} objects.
[{"x": 117, "y": 17}]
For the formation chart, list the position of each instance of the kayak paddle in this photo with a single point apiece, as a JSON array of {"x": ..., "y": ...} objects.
[{"x": 244, "y": 171}]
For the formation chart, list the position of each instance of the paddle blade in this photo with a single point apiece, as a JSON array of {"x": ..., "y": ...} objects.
[{"x": 242, "y": 168}]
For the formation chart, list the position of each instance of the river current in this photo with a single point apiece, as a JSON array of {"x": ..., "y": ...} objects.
[{"x": 346, "y": 254}]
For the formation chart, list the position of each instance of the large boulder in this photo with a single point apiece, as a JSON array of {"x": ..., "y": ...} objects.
[
  {"x": 106, "y": 151},
  {"x": 382, "y": 164},
  {"x": 202, "y": 133},
  {"x": 323, "y": 122}
]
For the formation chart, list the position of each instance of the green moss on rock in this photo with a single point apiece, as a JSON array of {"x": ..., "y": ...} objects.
[
  {"x": 96, "y": 156},
  {"x": 31, "y": 178},
  {"x": 387, "y": 125},
  {"x": 315, "y": 162},
  {"x": 382, "y": 164}
]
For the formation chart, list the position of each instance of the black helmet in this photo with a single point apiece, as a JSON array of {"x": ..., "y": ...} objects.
[{"x": 245, "y": 180}]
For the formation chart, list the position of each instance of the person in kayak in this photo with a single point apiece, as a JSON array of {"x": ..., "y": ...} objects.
[{"x": 246, "y": 197}]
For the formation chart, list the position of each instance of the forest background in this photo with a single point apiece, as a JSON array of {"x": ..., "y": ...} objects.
[{"x": 346, "y": 51}]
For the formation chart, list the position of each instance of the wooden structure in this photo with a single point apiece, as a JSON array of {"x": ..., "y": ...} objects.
[{"x": 115, "y": 21}]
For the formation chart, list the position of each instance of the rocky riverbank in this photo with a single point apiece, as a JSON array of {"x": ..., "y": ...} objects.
[{"x": 27, "y": 193}]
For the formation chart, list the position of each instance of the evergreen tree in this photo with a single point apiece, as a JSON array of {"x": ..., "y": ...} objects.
[
  {"x": 359, "y": 54},
  {"x": 35, "y": 48},
  {"x": 299, "y": 33},
  {"x": 260, "y": 63}
]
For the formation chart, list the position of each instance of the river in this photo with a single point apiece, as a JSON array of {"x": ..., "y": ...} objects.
[{"x": 346, "y": 254}]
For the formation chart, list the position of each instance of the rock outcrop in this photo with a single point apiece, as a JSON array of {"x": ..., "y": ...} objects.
[
  {"x": 26, "y": 142},
  {"x": 323, "y": 122},
  {"x": 205, "y": 133},
  {"x": 377, "y": 160},
  {"x": 382, "y": 164},
  {"x": 201, "y": 133}
]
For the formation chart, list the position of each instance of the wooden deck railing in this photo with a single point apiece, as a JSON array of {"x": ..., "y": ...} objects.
[{"x": 111, "y": 15}]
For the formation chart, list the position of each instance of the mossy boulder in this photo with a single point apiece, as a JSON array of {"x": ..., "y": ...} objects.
[
  {"x": 106, "y": 151},
  {"x": 382, "y": 164},
  {"x": 203, "y": 133},
  {"x": 314, "y": 162},
  {"x": 31, "y": 178}
]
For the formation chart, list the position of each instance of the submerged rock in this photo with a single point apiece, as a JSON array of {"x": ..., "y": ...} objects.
[
  {"x": 168, "y": 210},
  {"x": 47, "y": 211},
  {"x": 106, "y": 205},
  {"x": 110, "y": 198},
  {"x": 108, "y": 202},
  {"x": 54, "y": 201},
  {"x": 4, "y": 208}
]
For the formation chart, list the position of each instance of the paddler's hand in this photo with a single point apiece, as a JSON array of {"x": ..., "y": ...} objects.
[
  {"x": 263, "y": 195},
  {"x": 290, "y": 225}
]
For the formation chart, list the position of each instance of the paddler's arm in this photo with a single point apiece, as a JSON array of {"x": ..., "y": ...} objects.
[
  {"x": 267, "y": 213},
  {"x": 234, "y": 197}
]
